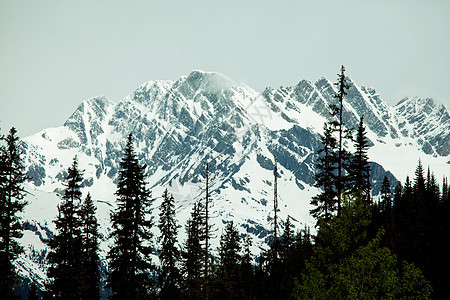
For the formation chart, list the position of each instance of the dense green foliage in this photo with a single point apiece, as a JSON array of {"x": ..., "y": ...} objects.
[{"x": 347, "y": 263}]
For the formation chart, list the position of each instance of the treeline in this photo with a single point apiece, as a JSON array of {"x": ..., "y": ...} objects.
[
  {"x": 190, "y": 270},
  {"x": 394, "y": 247}
]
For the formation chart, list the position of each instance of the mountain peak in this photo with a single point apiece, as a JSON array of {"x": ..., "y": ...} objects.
[
  {"x": 209, "y": 81},
  {"x": 420, "y": 106},
  {"x": 418, "y": 102},
  {"x": 98, "y": 105}
]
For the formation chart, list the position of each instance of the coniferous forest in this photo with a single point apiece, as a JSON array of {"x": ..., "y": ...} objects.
[{"x": 390, "y": 247}]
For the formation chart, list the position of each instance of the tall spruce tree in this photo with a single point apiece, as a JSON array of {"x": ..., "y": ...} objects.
[
  {"x": 91, "y": 260},
  {"x": 169, "y": 255},
  {"x": 65, "y": 257},
  {"x": 193, "y": 256},
  {"x": 301, "y": 252},
  {"x": 445, "y": 192},
  {"x": 247, "y": 273},
  {"x": 419, "y": 217},
  {"x": 228, "y": 268},
  {"x": 287, "y": 263},
  {"x": 12, "y": 178},
  {"x": 386, "y": 195},
  {"x": 358, "y": 167},
  {"x": 402, "y": 219},
  {"x": 287, "y": 238},
  {"x": 130, "y": 256},
  {"x": 386, "y": 211},
  {"x": 338, "y": 125},
  {"x": 326, "y": 202}
]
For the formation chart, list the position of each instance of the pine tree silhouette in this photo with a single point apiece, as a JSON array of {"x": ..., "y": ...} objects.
[
  {"x": 12, "y": 178},
  {"x": 193, "y": 256},
  {"x": 130, "y": 256},
  {"x": 65, "y": 256},
  {"x": 169, "y": 255},
  {"x": 91, "y": 260},
  {"x": 326, "y": 202},
  {"x": 358, "y": 167},
  {"x": 228, "y": 268}
]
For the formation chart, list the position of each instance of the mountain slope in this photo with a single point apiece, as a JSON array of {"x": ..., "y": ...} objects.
[{"x": 179, "y": 126}]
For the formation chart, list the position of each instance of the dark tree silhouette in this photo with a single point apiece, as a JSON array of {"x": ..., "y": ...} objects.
[
  {"x": 326, "y": 202},
  {"x": 358, "y": 167},
  {"x": 130, "y": 260},
  {"x": 169, "y": 255},
  {"x": 12, "y": 177},
  {"x": 193, "y": 256},
  {"x": 65, "y": 256},
  {"x": 91, "y": 260}
]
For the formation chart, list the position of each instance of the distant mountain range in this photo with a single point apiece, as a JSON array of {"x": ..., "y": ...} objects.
[{"x": 180, "y": 125}]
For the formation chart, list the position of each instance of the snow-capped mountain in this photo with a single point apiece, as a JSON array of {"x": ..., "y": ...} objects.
[{"x": 179, "y": 126}]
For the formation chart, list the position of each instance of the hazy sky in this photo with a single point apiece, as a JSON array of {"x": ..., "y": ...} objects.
[{"x": 54, "y": 54}]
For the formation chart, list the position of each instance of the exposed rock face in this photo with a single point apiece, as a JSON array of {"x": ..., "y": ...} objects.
[{"x": 427, "y": 121}]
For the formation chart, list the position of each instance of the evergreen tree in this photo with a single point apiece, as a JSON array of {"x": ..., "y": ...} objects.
[
  {"x": 386, "y": 210},
  {"x": 12, "y": 178},
  {"x": 402, "y": 219},
  {"x": 91, "y": 260},
  {"x": 65, "y": 256},
  {"x": 419, "y": 217},
  {"x": 337, "y": 110},
  {"x": 247, "y": 274},
  {"x": 419, "y": 179},
  {"x": 359, "y": 168},
  {"x": 287, "y": 263},
  {"x": 228, "y": 269},
  {"x": 130, "y": 260},
  {"x": 301, "y": 252},
  {"x": 169, "y": 254},
  {"x": 386, "y": 197},
  {"x": 287, "y": 238},
  {"x": 445, "y": 193},
  {"x": 193, "y": 256},
  {"x": 326, "y": 202}
]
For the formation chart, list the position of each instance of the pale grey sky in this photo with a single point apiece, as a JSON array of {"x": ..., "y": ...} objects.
[{"x": 54, "y": 54}]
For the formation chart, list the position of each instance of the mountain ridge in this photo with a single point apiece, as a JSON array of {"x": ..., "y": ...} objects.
[{"x": 180, "y": 125}]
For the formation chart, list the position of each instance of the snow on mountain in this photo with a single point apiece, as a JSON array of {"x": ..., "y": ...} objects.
[
  {"x": 426, "y": 121},
  {"x": 180, "y": 125}
]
